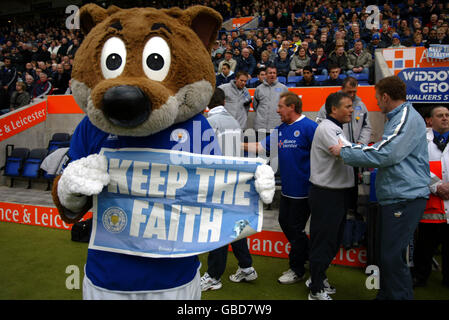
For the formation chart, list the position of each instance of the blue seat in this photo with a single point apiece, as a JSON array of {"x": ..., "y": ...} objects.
[
  {"x": 361, "y": 76},
  {"x": 282, "y": 79},
  {"x": 320, "y": 78},
  {"x": 14, "y": 163},
  {"x": 31, "y": 166},
  {"x": 342, "y": 76},
  {"x": 58, "y": 140},
  {"x": 294, "y": 79},
  {"x": 291, "y": 84},
  {"x": 253, "y": 80}
]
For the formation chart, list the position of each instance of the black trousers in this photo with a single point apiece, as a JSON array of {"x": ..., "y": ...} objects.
[
  {"x": 216, "y": 260},
  {"x": 327, "y": 223},
  {"x": 397, "y": 226},
  {"x": 429, "y": 237},
  {"x": 293, "y": 216}
]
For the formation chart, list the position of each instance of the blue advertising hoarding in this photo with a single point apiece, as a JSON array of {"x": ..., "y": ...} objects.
[{"x": 426, "y": 85}]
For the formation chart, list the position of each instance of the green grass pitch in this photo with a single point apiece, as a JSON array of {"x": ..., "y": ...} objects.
[{"x": 34, "y": 261}]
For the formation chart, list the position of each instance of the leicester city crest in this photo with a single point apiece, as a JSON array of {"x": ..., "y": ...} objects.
[{"x": 114, "y": 220}]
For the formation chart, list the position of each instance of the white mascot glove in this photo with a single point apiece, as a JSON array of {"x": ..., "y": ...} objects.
[
  {"x": 83, "y": 177},
  {"x": 264, "y": 183}
]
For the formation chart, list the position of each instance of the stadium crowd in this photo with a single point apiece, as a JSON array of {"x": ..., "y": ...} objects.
[{"x": 333, "y": 34}]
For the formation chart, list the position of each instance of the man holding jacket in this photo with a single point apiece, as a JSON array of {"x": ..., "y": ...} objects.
[{"x": 401, "y": 183}]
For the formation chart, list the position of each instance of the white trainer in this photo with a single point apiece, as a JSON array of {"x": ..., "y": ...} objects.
[
  {"x": 327, "y": 287},
  {"x": 322, "y": 295},
  {"x": 209, "y": 283},
  {"x": 246, "y": 275},
  {"x": 289, "y": 277}
]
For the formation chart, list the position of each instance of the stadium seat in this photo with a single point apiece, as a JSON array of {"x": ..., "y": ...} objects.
[
  {"x": 31, "y": 166},
  {"x": 320, "y": 78},
  {"x": 58, "y": 140},
  {"x": 361, "y": 77},
  {"x": 294, "y": 79},
  {"x": 282, "y": 79},
  {"x": 342, "y": 76},
  {"x": 291, "y": 84},
  {"x": 14, "y": 163},
  {"x": 252, "y": 80}
]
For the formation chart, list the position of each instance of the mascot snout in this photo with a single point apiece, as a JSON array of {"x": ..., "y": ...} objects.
[{"x": 126, "y": 106}]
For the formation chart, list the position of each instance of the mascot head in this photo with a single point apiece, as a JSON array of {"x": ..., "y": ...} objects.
[{"x": 140, "y": 70}]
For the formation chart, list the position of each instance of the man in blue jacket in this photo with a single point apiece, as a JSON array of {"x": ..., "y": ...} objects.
[{"x": 401, "y": 183}]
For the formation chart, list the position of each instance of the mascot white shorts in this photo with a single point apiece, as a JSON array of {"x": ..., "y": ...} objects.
[{"x": 189, "y": 291}]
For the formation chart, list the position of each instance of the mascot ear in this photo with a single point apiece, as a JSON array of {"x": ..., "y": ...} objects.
[
  {"x": 92, "y": 14},
  {"x": 205, "y": 22}
]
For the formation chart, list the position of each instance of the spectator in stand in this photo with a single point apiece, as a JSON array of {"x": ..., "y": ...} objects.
[
  {"x": 327, "y": 46},
  {"x": 29, "y": 82},
  {"x": 60, "y": 80},
  {"x": 339, "y": 58},
  {"x": 318, "y": 62},
  {"x": 225, "y": 76},
  {"x": 246, "y": 63},
  {"x": 265, "y": 60},
  {"x": 298, "y": 62},
  {"x": 229, "y": 60},
  {"x": 432, "y": 37},
  {"x": 417, "y": 40},
  {"x": 441, "y": 38},
  {"x": 64, "y": 47},
  {"x": 308, "y": 79},
  {"x": 73, "y": 48},
  {"x": 217, "y": 58},
  {"x": 261, "y": 77},
  {"x": 20, "y": 97},
  {"x": 282, "y": 64},
  {"x": 54, "y": 47},
  {"x": 42, "y": 87},
  {"x": 8, "y": 78},
  {"x": 396, "y": 41},
  {"x": 375, "y": 43},
  {"x": 334, "y": 77},
  {"x": 432, "y": 24},
  {"x": 359, "y": 60}
]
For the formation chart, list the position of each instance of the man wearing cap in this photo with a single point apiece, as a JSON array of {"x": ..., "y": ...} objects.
[
  {"x": 229, "y": 60},
  {"x": 376, "y": 43},
  {"x": 396, "y": 41}
]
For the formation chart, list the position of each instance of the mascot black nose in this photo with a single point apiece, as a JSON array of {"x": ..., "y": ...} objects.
[{"x": 126, "y": 106}]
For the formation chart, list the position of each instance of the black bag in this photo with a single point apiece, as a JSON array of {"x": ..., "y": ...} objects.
[{"x": 81, "y": 231}]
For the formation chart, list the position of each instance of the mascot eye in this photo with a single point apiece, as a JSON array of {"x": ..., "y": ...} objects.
[
  {"x": 113, "y": 58},
  {"x": 156, "y": 59}
]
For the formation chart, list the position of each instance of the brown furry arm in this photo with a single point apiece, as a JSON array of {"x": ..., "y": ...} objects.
[{"x": 67, "y": 215}]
